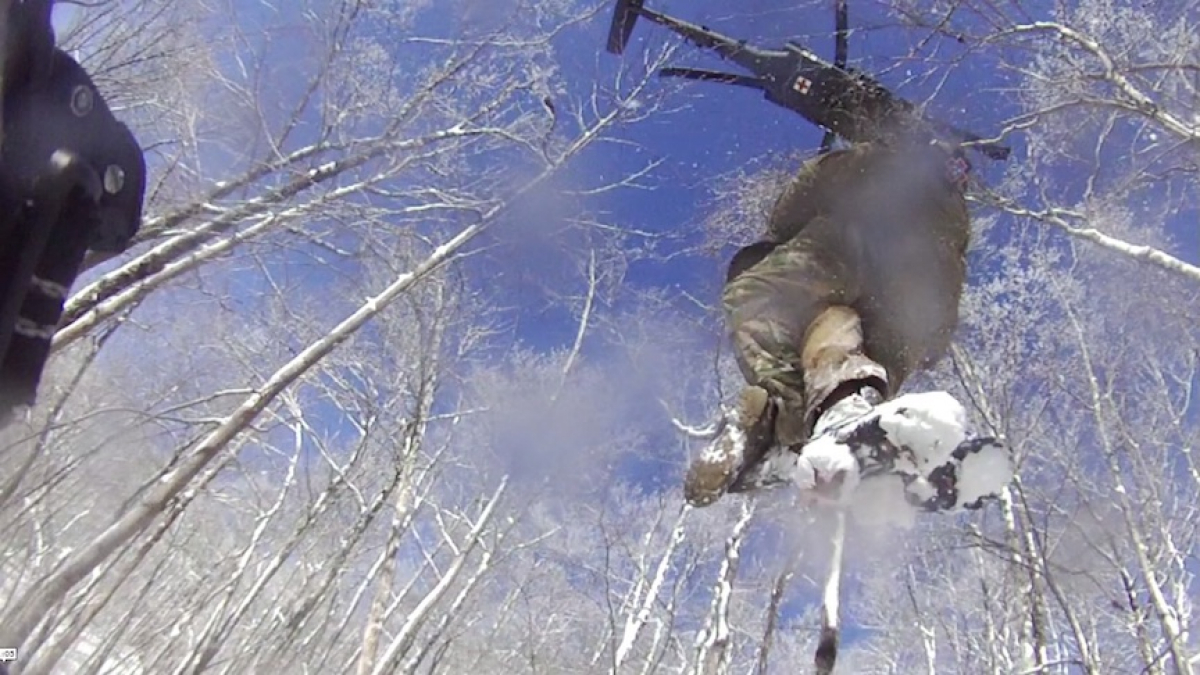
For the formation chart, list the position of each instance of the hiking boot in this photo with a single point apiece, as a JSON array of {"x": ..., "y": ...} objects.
[{"x": 744, "y": 439}]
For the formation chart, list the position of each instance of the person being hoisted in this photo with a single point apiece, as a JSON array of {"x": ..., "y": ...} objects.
[{"x": 853, "y": 287}]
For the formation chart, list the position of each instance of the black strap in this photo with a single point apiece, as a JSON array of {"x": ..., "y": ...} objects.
[
  {"x": 28, "y": 44},
  {"x": 40, "y": 260}
]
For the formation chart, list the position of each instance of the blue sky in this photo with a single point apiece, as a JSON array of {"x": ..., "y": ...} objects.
[
  {"x": 718, "y": 128},
  {"x": 721, "y": 128}
]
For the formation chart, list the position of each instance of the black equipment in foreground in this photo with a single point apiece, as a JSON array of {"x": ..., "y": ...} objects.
[{"x": 72, "y": 178}]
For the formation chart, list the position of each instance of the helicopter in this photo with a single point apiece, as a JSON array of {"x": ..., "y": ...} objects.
[{"x": 844, "y": 103}]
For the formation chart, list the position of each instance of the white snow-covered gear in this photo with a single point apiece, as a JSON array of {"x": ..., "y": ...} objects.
[{"x": 917, "y": 446}]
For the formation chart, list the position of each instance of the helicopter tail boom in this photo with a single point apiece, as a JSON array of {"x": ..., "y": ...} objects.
[{"x": 625, "y": 14}]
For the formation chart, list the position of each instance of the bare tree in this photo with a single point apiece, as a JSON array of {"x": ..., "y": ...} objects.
[
  {"x": 265, "y": 459},
  {"x": 297, "y": 426}
]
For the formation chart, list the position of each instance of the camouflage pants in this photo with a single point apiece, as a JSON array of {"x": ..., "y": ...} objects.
[{"x": 859, "y": 278}]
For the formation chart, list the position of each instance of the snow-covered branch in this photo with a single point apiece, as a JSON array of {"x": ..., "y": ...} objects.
[
  {"x": 713, "y": 653},
  {"x": 1138, "y": 100},
  {"x": 1067, "y": 221}
]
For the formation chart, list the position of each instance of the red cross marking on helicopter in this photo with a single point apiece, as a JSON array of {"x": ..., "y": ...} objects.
[
  {"x": 802, "y": 85},
  {"x": 957, "y": 170}
]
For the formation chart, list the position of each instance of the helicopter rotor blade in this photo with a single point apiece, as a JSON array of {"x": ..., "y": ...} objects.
[
  {"x": 713, "y": 76},
  {"x": 842, "y": 20},
  {"x": 840, "y": 52}
]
